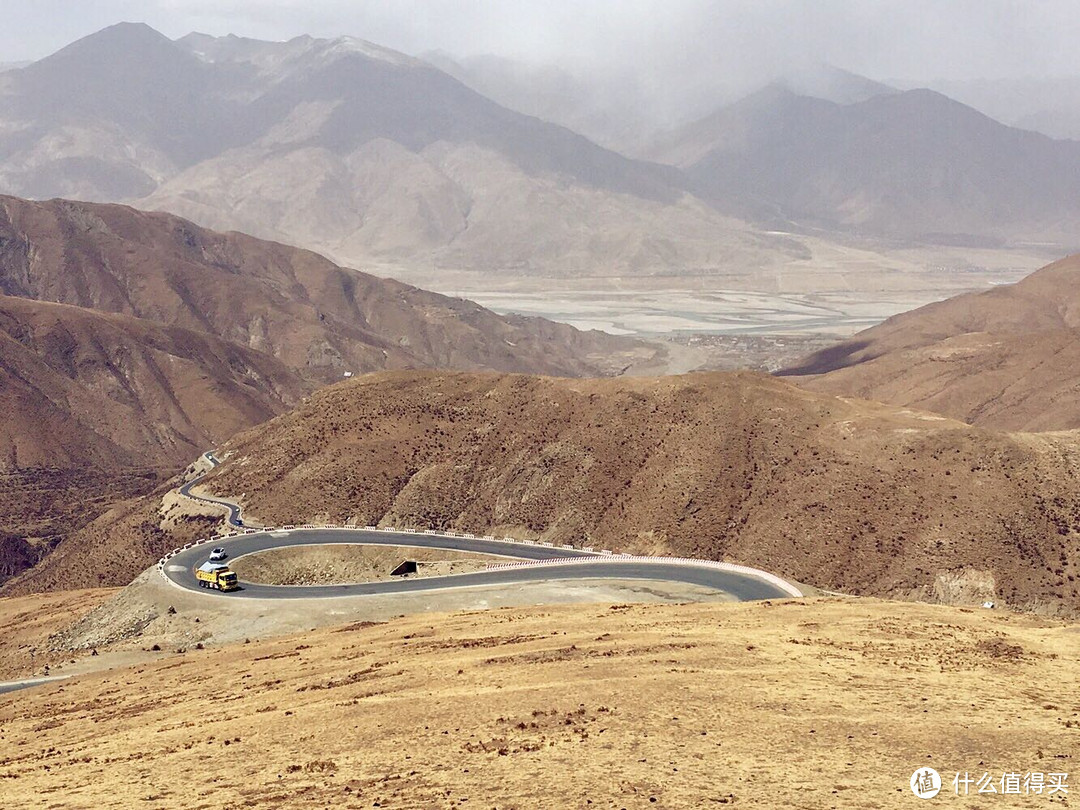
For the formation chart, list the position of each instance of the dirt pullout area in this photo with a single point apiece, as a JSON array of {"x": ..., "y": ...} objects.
[
  {"x": 341, "y": 564},
  {"x": 821, "y": 703}
]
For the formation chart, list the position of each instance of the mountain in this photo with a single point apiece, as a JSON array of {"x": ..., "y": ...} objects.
[
  {"x": 342, "y": 146},
  {"x": 89, "y": 389},
  {"x": 1007, "y": 358},
  {"x": 830, "y": 83},
  {"x": 848, "y": 496},
  {"x": 130, "y": 342},
  {"x": 1049, "y": 105},
  {"x": 904, "y": 165},
  {"x": 315, "y": 317},
  {"x": 99, "y": 408},
  {"x": 610, "y": 110},
  {"x": 620, "y": 111},
  {"x": 844, "y": 495}
]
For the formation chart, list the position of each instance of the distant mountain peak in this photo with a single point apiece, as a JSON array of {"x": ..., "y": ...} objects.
[
  {"x": 125, "y": 48},
  {"x": 122, "y": 35},
  {"x": 232, "y": 48},
  {"x": 831, "y": 83},
  {"x": 355, "y": 45}
]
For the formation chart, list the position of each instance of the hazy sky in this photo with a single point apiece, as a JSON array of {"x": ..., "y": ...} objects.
[{"x": 914, "y": 39}]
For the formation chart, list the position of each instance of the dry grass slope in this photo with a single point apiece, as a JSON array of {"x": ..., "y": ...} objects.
[{"x": 772, "y": 705}]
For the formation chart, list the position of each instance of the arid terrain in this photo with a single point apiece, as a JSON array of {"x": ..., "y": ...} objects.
[
  {"x": 1006, "y": 358},
  {"x": 388, "y": 163},
  {"x": 315, "y": 317},
  {"x": 840, "y": 494},
  {"x": 40, "y": 507},
  {"x": 91, "y": 390},
  {"x": 331, "y": 565},
  {"x": 774, "y": 705},
  {"x": 132, "y": 342},
  {"x": 633, "y": 323},
  {"x": 30, "y": 621}
]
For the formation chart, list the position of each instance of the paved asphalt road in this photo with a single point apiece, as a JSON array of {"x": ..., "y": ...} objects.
[
  {"x": 14, "y": 686},
  {"x": 234, "y": 510},
  {"x": 180, "y": 569}
]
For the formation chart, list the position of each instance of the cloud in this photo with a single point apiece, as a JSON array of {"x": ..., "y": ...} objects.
[{"x": 658, "y": 41}]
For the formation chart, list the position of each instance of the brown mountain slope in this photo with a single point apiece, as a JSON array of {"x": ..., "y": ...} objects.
[
  {"x": 1008, "y": 358},
  {"x": 844, "y": 495},
  {"x": 88, "y": 389},
  {"x": 315, "y": 317},
  {"x": 97, "y": 408},
  {"x": 912, "y": 165},
  {"x": 351, "y": 149}
]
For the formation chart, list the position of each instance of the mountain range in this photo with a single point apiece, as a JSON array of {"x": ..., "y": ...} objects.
[
  {"x": 345, "y": 147},
  {"x": 317, "y": 318},
  {"x": 844, "y": 495},
  {"x": 130, "y": 342},
  {"x": 381, "y": 160},
  {"x": 1050, "y": 105},
  {"x": 621, "y": 111},
  {"x": 907, "y": 165}
]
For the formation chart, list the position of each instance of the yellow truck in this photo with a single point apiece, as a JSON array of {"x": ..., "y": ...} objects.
[{"x": 216, "y": 575}]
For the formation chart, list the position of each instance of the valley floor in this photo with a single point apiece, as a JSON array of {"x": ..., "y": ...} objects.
[{"x": 840, "y": 290}]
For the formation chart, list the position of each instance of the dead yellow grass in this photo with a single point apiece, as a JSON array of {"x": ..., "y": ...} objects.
[
  {"x": 790, "y": 704},
  {"x": 28, "y": 621}
]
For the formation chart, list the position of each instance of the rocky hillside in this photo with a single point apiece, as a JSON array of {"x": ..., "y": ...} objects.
[
  {"x": 1008, "y": 358},
  {"x": 98, "y": 408},
  {"x": 313, "y": 316},
  {"x": 855, "y": 497},
  {"x": 87, "y": 389},
  {"x": 131, "y": 342}
]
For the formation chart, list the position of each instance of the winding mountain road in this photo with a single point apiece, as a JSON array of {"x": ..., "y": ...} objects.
[
  {"x": 234, "y": 518},
  {"x": 565, "y": 564},
  {"x": 557, "y": 563}
]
